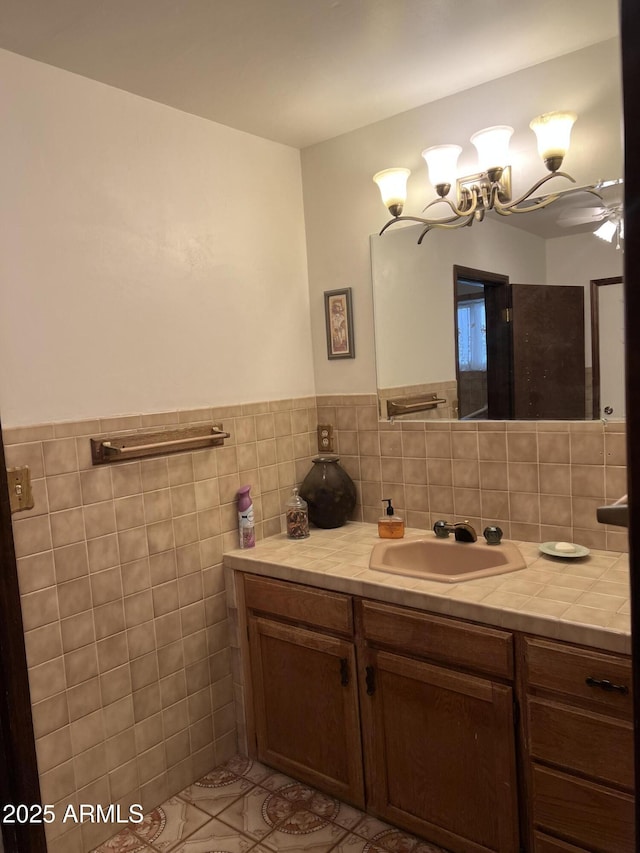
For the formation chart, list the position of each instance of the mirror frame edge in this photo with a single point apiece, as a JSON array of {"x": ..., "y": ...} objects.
[{"x": 630, "y": 38}]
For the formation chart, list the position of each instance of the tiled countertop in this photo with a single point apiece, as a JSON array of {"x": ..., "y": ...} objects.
[{"x": 584, "y": 601}]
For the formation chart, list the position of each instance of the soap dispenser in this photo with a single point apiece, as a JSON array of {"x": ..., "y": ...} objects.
[{"x": 390, "y": 526}]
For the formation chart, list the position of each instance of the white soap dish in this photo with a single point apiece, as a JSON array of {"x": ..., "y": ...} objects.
[{"x": 564, "y": 549}]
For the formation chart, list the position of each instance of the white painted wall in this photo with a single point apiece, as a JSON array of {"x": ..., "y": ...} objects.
[
  {"x": 581, "y": 257},
  {"x": 149, "y": 259},
  {"x": 413, "y": 293},
  {"x": 343, "y": 207}
]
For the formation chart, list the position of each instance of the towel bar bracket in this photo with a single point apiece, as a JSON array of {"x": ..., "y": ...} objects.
[{"x": 138, "y": 445}]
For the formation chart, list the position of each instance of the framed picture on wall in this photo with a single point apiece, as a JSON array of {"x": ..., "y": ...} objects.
[{"x": 339, "y": 318}]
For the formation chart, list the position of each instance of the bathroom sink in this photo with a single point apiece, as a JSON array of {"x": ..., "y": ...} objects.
[{"x": 445, "y": 559}]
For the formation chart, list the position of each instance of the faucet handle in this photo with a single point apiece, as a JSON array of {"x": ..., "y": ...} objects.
[
  {"x": 442, "y": 529},
  {"x": 493, "y": 535}
]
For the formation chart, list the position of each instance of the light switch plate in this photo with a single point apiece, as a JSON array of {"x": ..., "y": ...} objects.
[
  {"x": 20, "y": 493},
  {"x": 325, "y": 438}
]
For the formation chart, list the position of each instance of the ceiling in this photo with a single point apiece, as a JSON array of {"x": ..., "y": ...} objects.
[{"x": 300, "y": 71}]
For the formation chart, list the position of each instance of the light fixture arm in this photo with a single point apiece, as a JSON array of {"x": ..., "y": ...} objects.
[
  {"x": 459, "y": 223},
  {"x": 512, "y": 206},
  {"x": 465, "y": 211},
  {"x": 418, "y": 219},
  {"x": 458, "y": 220}
]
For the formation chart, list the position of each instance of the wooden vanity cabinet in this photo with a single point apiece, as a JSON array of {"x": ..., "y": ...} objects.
[
  {"x": 305, "y": 695},
  {"x": 352, "y": 695},
  {"x": 438, "y": 726},
  {"x": 578, "y": 736}
]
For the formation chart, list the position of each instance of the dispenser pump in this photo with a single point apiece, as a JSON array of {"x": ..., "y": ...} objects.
[{"x": 390, "y": 526}]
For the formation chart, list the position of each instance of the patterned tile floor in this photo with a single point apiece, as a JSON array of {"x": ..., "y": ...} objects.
[{"x": 245, "y": 806}]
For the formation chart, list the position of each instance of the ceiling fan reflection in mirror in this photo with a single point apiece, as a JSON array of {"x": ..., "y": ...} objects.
[{"x": 607, "y": 216}]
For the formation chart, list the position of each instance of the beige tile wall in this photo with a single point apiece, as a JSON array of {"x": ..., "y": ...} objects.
[
  {"x": 120, "y": 572},
  {"x": 539, "y": 481},
  {"x": 120, "y": 567}
]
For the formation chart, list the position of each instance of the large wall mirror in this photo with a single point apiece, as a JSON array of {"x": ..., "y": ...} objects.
[
  {"x": 515, "y": 292},
  {"x": 499, "y": 320}
]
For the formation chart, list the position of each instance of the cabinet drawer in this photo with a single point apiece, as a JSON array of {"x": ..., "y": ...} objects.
[
  {"x": 297, "y": 603},
  {"x": 582, "y": 812},
  {"x": 545, "y": 844},
  {"x": 567, "y": 669},
  {"x": 439, "y": 639},
  {"x": 591, "y": 744}
]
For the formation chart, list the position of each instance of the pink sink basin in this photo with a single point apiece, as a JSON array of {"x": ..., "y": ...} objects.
[{"x": 445, "y": 559}]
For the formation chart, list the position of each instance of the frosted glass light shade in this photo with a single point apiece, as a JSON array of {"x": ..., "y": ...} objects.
[
  {"x": 392, "y": 184},
  {"x": 553, "y": 132},
  {"x": 607, "y": 230},
  {"x": 442, "y": 162},
  {"x": 492, "y": 145}
]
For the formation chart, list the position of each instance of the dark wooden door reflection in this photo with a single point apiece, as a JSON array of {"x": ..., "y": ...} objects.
[
  {"x": 520, "y": 348},
  {"x": 548, "y": 352}
]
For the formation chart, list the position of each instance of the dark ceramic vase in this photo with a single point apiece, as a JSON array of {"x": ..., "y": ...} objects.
[{"x": 329, "y": 491}]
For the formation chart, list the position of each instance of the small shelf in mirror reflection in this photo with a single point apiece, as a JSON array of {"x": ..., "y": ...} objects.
[{"x": 409, "y": 405}]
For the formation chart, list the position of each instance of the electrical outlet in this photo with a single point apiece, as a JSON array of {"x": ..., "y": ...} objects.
[
  {"x": 325, "y": 438},
  {"x": 20, "y": 494}
]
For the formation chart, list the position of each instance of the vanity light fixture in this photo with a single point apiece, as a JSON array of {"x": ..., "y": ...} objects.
[{"x": 488, "y": 189}]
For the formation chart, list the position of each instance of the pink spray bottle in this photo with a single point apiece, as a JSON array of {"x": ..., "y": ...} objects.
[{"x": 246, "y": 524}]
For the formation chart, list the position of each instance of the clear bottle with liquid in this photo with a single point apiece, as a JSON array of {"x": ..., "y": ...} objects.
[
  {"x": 297, "y": 516},
  {"x": 390, "y": 526}
]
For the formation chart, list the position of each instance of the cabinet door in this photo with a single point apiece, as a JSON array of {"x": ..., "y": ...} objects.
[
  {"x": 306, "y": 706},
  {"x": 440, "y": 750}
]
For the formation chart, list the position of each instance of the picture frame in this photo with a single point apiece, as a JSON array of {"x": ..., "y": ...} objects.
[{"x": 338, "y": 314}]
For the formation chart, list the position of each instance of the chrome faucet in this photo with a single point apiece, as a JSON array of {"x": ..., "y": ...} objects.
[{"x": 462, "y": 531}]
